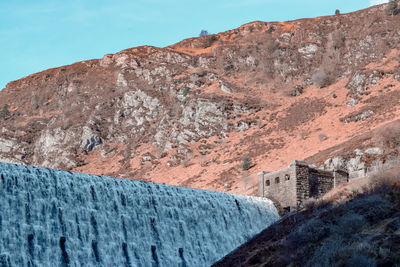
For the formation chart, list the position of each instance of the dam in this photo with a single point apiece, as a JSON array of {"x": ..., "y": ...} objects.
[{"x": 58, "y": 218}]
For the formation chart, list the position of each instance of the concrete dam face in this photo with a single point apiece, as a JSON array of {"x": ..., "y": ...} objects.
[{"x": 56, "y": 218}]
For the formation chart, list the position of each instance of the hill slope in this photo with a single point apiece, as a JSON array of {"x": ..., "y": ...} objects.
[
  {"x": 362, "y": 232},
  {"x": 187, "y": 114}
]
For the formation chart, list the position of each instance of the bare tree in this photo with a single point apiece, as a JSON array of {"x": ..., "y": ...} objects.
[{"x": 203, "y": 33}]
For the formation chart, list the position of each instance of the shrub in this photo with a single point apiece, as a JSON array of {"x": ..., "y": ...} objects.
[
  {"x": 321, "y": 78},
  {"x": 312, "y": 230},
  {"x": 388, "y": 135},
  {"x": 337, "y": 12},
  {"x": 203, "y": 33},
  {"x": 5, "y": 112},
  {"x": 185, "y": 91},
  {"x": 385, "y": 179},
  {"x": 391, "y": 8},
  {"x": 326, "y": 254},
  {"x": 322, "y": 137},
  {"x": 372, "y": 207},
  {"x": 315, "y": 204},
  {"x": 359, "y": 260},
  {"x": 340, "y": 251},
  {"x": 246, "y": 163},
  {"x": 297, "y": 90},
  {"x": 349, "y": 223}
]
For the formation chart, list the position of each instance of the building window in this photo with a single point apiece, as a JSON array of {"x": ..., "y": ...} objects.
[
  {"x": 286, "y": 209},
  {"x": 277, "y": 180},
  {"x": 287, "y": 177},
  {"x": 267, "y": 183}
]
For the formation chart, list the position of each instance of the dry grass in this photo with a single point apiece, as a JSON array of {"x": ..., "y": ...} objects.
[
  {"x": 389, "y": 178},
  {"x": 388, "y": 136},
  {"x": 315, "y": 203},
  {"x": 382, "y": 181}
]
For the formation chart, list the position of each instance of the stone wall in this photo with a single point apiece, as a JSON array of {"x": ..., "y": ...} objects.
[
  {"x": 320, "y": 182},
  {"x": 340, "y": 177},
  {"x": 357, "y": 174},
  {"x": 290, "y": 187},
  {"x": 279, "y": 186},
  {"x": 302, "y": 182}
]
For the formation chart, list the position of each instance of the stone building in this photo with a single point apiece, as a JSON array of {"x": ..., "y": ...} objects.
[{"x": 291, "y": 186}]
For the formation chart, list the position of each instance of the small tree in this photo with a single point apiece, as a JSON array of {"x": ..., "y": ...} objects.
[
  {"x": 203, "y": 33},
  {"x": 246, "y": 163},
  {"x": 337, "y": 12},
  {"x": 185, "y": 91},
  {"x": 5, "y": 112},
  {"x": 391, "y": 8}
]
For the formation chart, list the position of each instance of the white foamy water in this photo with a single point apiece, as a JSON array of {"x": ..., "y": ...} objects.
[{"x": 56, "y": 218}]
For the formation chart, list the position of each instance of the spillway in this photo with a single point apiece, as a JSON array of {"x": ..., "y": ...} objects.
[{"x": 57, "y": 218}]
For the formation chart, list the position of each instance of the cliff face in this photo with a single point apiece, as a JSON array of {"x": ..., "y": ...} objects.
[{"x": 188, "y": 113}]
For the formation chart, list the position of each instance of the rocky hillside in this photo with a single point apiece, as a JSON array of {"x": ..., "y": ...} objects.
[{"x": 187, "y": 114}]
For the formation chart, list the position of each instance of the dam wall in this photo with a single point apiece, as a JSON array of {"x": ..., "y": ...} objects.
[{"x": 57, "y": 218}]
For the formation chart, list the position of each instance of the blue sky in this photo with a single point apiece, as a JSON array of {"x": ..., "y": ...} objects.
[{"x": 41, "y": 34}]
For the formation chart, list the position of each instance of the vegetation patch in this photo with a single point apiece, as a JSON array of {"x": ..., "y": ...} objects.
[{"x": 362, "y": 230}]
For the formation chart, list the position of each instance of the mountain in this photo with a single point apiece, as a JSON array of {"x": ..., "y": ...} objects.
[{"x": 324, "y": 89}]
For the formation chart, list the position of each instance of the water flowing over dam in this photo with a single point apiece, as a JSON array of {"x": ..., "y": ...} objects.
[{"x": 57, "y": 218}]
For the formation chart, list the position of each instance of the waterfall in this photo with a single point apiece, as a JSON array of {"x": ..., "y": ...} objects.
[{"x": 57, "y": 218}]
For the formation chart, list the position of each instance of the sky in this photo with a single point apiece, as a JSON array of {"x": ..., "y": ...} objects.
[{"x": 41, "y": 34}]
